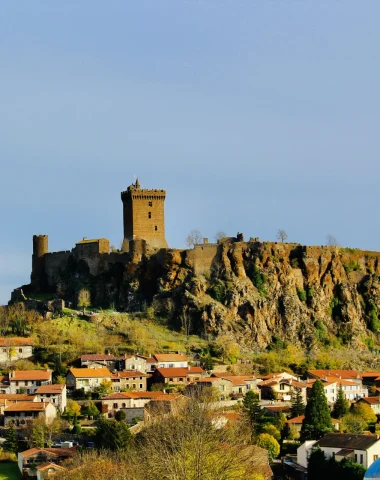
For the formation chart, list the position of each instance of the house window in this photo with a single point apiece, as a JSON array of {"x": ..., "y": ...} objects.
[
  {"x": 115, "y": 405},
  {"x": 123, "y": 405},
  {"x": 361, "y": 458},
  {"x": 16, "y": 384},
  {"x": 181, "y": 379},
  {"x": 150, "y": 204},
  {"x": 171, "y": 365},
  {"x": 141, "y": 385},
  {"x": 170, "y": 379},
  {"x": 149, "y": 214},
  {"x": 282, "y": 386},
  {"x": 156, "y": 228},
  {"x": 134, "y": 385},
  {"x": 375, "y": 457},
  {"x": 20, "y": 350},
  {"x": 4, "y": 350}
]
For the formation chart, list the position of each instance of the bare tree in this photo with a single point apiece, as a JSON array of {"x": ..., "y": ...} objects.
[
  {"x": 186, "y": 323},
  {"x": 282, "y": 236},
  {"x": 194, "y": 238},
  {"x": 331, "y": 240},
  {"x": 219, "y": 235}
]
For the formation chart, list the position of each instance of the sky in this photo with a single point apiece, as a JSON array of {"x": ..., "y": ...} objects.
[{"x": 253, "y": 115}]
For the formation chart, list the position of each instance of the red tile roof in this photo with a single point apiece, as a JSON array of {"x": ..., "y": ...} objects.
[
  {"x": 129, "y": 374},
  {"x": 179, "y": 371},
  {"x": 55, "y": 388},
  {"x": 48, "y": 465},
  {"x": 372, "y": 400},
  {"x": 135, "y": 395},
  {"x": 299, "y": 420},
  {"x": 30, "y": 375},
  {"x": 344, "y": 374},
  {"x": 59, "y": 452},
  {"x": 17, "y": 397}
]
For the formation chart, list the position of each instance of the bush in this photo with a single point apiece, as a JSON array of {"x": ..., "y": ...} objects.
[
  {"x": 258, "y": 279},
  {"x": 351, "y": 266},
  {"x": 301, "y": 294},
  {"x": 7, "y": 456}
]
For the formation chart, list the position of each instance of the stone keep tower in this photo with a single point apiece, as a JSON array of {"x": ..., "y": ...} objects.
[
  {"x": 143, "y": 215},
  {"x": 40, "y": 247}
]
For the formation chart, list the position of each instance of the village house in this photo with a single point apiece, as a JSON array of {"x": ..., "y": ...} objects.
[
  {"x": 134, "y": 381},
  {"x": 132, "y": 362},
  {"x": 296, "y": 423},
  {"x": 352, "y": 375},
  {"x": 15, "y": 348},
  {"x": 4, "y": 384},
  {"x": 222, "y": 387},
  {"x": 98, "y": 360},
  {"x": 331, "y": 385},
  {"x": 56, "y": 394},
  {"x": 176, "y": 375},
  {"x": 363, "y": 449},
  {"x": 276, "y": 410},
  {"x": 29, "y": 460},
  {"x": 87, "y": 378},
  {"x": 131, "y": 403},
  {"x": 373, "y": 402},
  {"x": 282, "y": 389},
  {"x": 241, "y": 384},
  {"x": 21, "y": 412},
  {"x": 167, "y": 360},
  {"x": 370, "y": 378},
  {"x": 8, "y": 399},
  {"x": 27, "y": 381},
  {"x": 48, "y": 470}
]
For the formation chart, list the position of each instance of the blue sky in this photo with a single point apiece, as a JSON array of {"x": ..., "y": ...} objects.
[{"x": 253, "y": 115}]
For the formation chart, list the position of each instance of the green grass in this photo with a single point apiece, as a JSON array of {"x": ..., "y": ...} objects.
[{"x": 9, "y": 471}]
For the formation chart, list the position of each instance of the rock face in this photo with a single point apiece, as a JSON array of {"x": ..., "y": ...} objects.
[{"x": 259, "y": 292}]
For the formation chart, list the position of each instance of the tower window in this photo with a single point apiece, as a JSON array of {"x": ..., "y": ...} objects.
[
  {"x": 156, "y": 228},
  {"x": 149, "y": 214},
  {"x": 150, "y": 204}
]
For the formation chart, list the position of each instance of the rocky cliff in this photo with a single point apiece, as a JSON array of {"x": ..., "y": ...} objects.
[{"x": 261, "y": 293}]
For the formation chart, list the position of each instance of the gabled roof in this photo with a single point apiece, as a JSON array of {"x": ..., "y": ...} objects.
[
  {"x": 17, "y": 375},
  {"x": 55, "y": 388},
  {"x": 97, "y": 357},
  {"x": 370, "y": 374},
  {"x": 48, "y": 466},
  {"x": 370, "y": 400},
  {"x": 28, "y": 407},
  {"x": 170, "y": 357},
  {"x": 347, "y": 440},
  {"x": 299, "y": 420},
  {"x": 129, "y": 374},
  {"x": 344, "y": 374},
  {"x": 178, "y": 371},
  {"x": 17, "y": 397},
  {"x": 91, "y": 372},
  {"x": 17, "y": 342},
  {"x": 58, "y": 452},
  {"x": 133, "y": 395}
]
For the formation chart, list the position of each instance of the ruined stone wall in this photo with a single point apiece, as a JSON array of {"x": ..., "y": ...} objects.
[
  {"x": 202, "y": 257},
  {"x": 55, "y": 263}
]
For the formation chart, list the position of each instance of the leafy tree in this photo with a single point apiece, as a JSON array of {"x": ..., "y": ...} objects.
[
  {"x": 341, "y": 405},
  {"x": 84, "y": 299},
  {"x": 317, "y": 419},
  {"x": 264, "y": 440},
  {"x": 316, "y": 468},
  {"x": 11, "y": 441},
  {"x": 351, "y": 423},
  {"x": 298, "y": 406},
  {"x": 350, "y": 470},
  {"x": 273, "y": 431},
  {"x": 120, "y": 416},
  {"x": 112, "y": 435},
  {"x": 207, "y": 362},
  {"x": 364, "y": 411},
  {"x": 252, "y": 406},
  {"x": 92, "y": 410},
  {"x": 37, "y": 437},
  {"x": 72, "y": 408},
  {"x": 194, "y": 238},
  {"x": 105, "y": 388}
]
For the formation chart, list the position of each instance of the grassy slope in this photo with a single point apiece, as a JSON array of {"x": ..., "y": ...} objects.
[{"x": 9, "y": 471}]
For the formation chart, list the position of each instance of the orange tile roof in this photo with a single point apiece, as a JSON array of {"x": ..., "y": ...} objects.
[
  {"x": 97, "y": 356},
  {"x": 179, "y": 371},
  {"x": 17, "y": 397},
  {"x": 299, "y": 420},
  {"x": 58, "y": 452},
  {"x": 170, "y": 357},
  {"x": 371, "y": 400},
  {"x": 129, "y": 374},
  {"x": 30, "y": 375},
  {"x": 15, "y": 341},
  {"x": 135, "y": 395},
  {"x": 28, "y": 407},
  {"x": 344, "y": 374},
  {"x": 48, "y": 465},
  {"x": 90, "y": 372},
  {"x": 370, "y": 374},
  {"x": 54, "y": 388}
]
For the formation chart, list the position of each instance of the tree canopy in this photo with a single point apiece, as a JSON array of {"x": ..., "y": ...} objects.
[{"x": 317, "y": 421}]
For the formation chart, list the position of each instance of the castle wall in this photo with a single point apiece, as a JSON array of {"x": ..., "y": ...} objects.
[
  {"x": 55, "y": 262},
  {"x": 202, "y": 257}
]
